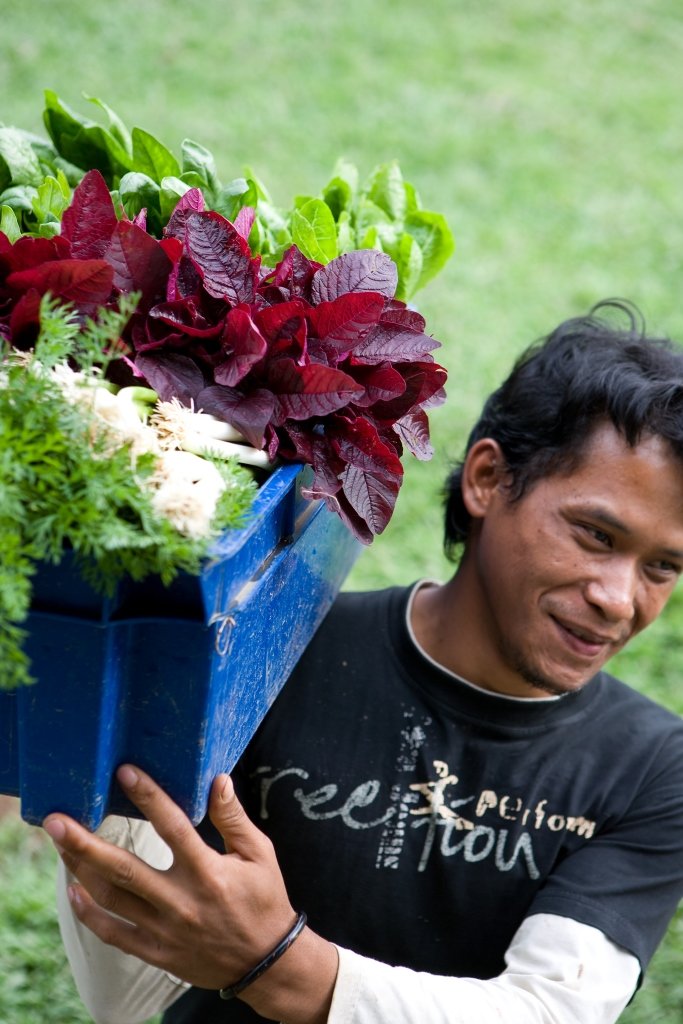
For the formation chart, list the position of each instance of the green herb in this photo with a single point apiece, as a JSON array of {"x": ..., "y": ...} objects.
[{"x": 62, "y": 487}]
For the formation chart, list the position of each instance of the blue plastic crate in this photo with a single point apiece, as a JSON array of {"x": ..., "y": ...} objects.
[{"x": 182, "y": 690}]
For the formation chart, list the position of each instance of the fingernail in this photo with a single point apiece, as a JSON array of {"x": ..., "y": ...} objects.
[
  {"x": 127, "y": 776},
  {"x": 228, "y": 789},
  {"x": 56, "y": 831},
  {"x": 74, "y": 895}
]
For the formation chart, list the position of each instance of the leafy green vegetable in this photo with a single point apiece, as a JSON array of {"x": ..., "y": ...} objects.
[
  {"x": 52, "y": 198},
  {"x": 86, "y": 143},
  {"x": 383, "y": 213},
  {"x": 314, "y": 231},
  {"x": 138, "y": 192},
  {"x": 152, "y": 158},
  {"x": 61, "y": 485},
  {"x": 171, "y": 190},
  {"x": 387, "y": 190},
  {"x": 19, "y": 163},
  {"x": 9, "y": 224},
  {"x": 35, "y": 184},
  {"x": 199, "y": 161},
  {"x": 234, "y": 196}
]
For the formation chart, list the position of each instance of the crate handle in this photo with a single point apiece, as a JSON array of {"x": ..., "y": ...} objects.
[{"x": 223, "y": 636}]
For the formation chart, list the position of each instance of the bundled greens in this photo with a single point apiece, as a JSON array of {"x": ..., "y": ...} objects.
[
  {"x": 311, "y": 363},
  {"x": 137, "y": 288}
]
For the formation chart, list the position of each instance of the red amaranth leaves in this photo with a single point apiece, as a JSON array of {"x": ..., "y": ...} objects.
[
  {"x": 222, "y": 257},
  {"x": 88, "y": 224},
  {"x": 317, "y": 364}
]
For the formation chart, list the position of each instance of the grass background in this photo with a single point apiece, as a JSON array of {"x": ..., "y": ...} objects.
[{"x": 550, "y": 135}]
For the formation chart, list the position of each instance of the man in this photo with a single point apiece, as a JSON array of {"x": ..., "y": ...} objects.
[{"x": 481, "y": 823}]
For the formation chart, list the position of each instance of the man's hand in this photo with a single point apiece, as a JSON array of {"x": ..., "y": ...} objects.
[{"x": 210, "y": 917}]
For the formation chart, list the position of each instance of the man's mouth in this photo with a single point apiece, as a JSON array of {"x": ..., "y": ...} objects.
[{"x": 585, "y": 642}]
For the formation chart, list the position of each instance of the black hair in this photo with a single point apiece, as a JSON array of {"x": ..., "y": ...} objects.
[{"x": 588, "y": 369}]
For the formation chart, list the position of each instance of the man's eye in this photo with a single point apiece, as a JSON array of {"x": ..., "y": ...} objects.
[
  {"x": 596, "y": 534},
  {"x": 667, "y": 568}
]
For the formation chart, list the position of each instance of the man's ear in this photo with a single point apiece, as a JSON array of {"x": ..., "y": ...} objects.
[{"x": 483, "y": 473}]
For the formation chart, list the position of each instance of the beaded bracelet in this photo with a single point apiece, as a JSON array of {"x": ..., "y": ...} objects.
[{"x": 268, "y": 961}]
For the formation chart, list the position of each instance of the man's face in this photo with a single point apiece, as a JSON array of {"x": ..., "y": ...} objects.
[{"x": 564, "y": 577}]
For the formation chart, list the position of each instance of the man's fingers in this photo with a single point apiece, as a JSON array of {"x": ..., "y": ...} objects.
[
  {"x": 127, "y": 937},
  {"x": 208, "y": 917},
  {"x": 229, "y": 817},
  {"x": 174, "y": 827},
  {"x": 111, "y": 898},
  {"x": 87, "y": 856}
]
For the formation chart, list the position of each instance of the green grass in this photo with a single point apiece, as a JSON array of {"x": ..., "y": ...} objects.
[
  {"x": 35, "y": 983},
  {"x": 652, "y": 664},
  {"x": 661, "y": 997},
  {"x": 36, "y": 986},
  {"x": 549, "y": 134}
]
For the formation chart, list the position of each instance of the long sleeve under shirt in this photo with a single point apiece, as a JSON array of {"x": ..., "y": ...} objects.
[{"x": 558, "y": 972}]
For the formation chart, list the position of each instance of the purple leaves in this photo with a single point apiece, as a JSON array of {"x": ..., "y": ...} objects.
[
  {"x": 139, "y": 263},
  {"x": 249, "y": 413},
  {"x": 368, "y": 271},
  {"x": 243, "y": 346},
  {"x": 344, "y": 322},
  {"x": 222, "y": 257},
  {"x": 318, "y": 364},
  {"x": 86, "y": 283},
  {"x": 312, "y": 390},
  {"x": 87, "y": 225}
]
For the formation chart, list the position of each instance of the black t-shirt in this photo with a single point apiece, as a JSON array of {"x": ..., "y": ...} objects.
[{"x": 418, "y": 820}]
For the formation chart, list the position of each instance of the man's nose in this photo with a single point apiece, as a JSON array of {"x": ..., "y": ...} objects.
[{"x": 613, "y": 590}]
